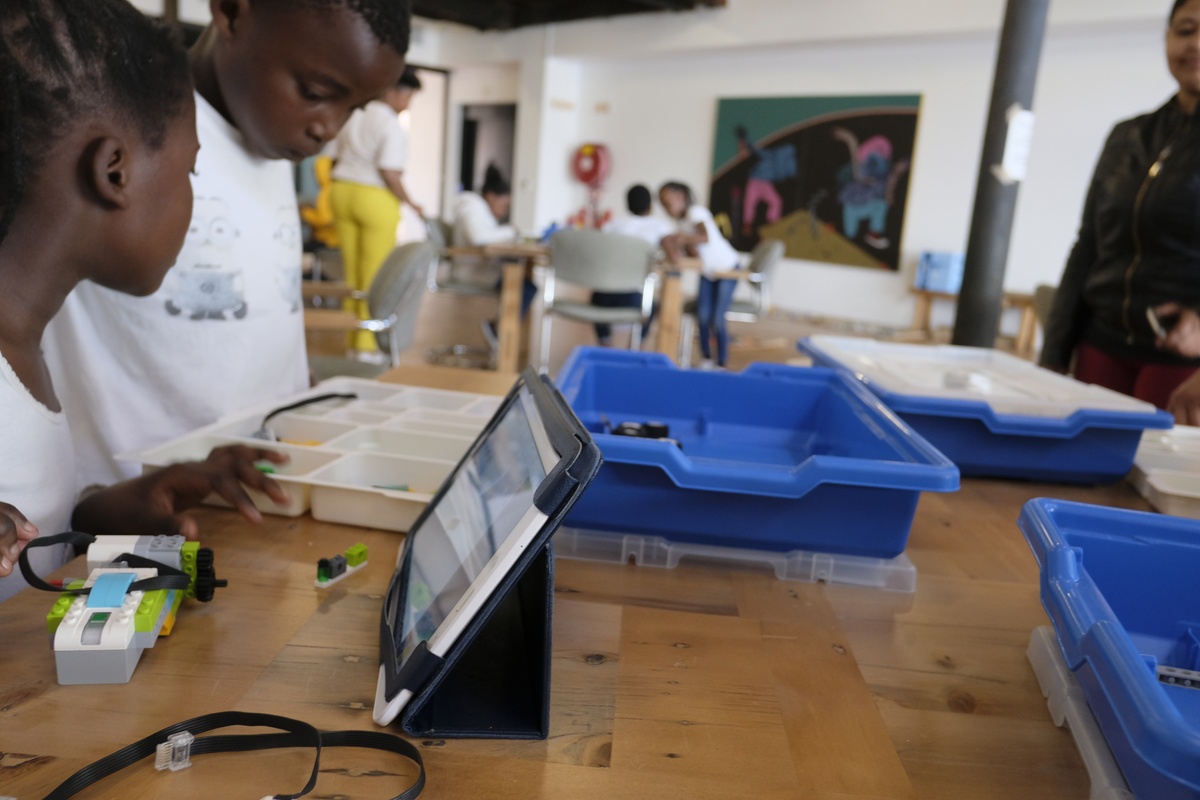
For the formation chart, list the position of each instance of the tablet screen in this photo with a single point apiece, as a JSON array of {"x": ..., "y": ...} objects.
[{"x": 487, "y": 496}]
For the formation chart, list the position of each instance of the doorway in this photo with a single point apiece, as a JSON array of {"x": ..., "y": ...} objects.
[{"x": 489, "y": 134}]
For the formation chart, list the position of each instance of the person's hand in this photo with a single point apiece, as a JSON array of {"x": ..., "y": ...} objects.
[
  {"x": 15, "y": 533},
  {"x": 420, "y": 211},
  {"x": 1184, "y": 336},
  {"x": 151, "y": 504},
  {"x": 672, "y": 247},
  {"x": 1185, "y": 402}
]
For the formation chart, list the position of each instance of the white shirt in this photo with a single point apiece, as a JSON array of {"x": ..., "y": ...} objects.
[
  {"x": 717, "y": 254},
  {"x": 648, "y": 228},
  {"x": 224, "y": 332},
  {"x": 39, "y": 478},
  {"x": 475, "y": 225},
  {"x": 371, "y": 140}
]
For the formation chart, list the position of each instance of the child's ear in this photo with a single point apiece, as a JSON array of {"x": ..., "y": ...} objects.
[
  {"x": 227, "y": 15},
  {"x": 108, "y": 171}
]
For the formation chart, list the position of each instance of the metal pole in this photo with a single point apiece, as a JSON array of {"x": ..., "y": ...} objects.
[{"x": 1005, "y": 151}]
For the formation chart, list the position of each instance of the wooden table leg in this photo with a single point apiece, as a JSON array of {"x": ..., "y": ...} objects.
[
  {"x": 508, "y": 331},
  {"x": 1027, "y": 332},
  {"x": 670, "y": 314},
  {"x": 922, "y": 312}
]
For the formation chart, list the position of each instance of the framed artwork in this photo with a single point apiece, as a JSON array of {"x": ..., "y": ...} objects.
[{"x": 828, "y": 176}]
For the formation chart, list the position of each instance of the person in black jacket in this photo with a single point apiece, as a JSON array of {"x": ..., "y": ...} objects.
[{"x": 1126, "y": 309}]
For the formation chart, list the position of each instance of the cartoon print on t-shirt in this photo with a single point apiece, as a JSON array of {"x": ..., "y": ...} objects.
[
  {"x": 205, "y": 283},
  {"x": 286, "y": 238}
]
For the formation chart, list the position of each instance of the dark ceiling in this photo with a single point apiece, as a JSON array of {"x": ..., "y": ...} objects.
[{"x": 507, "y": 14}]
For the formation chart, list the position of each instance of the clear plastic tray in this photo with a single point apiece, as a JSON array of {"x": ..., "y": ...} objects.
[
  {"x": 1069, "y": 707},
  {"x": 996, "y": 415},
  {"x": 1005, "y": 383},
  {"x": 893, "y": 574},
  {"x": 374, "y": 461},
  {"x": 1166, "y": 471}
]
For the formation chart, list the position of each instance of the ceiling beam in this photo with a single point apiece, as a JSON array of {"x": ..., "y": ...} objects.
[
  {"x": 481, "y": 14},
  {"x": 506, "y": 14}
]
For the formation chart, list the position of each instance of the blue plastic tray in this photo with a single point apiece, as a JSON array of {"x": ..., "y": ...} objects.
[
  {"x": 774, "y": 458},
  {"x": 1120, "y": 588},
  {"x": 995, "y": 415}
]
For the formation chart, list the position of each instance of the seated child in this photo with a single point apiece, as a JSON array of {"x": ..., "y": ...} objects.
[
  {"x": 479, "y": 219},
  {"x": 699, "y": 237},
  {"x": 97, "y": 139},
  {"x": 641, "y": 224},
  {"x": 275, "y": 81}
]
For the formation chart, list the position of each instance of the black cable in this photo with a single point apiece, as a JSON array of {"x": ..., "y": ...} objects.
[
  {"x": 299, "y": 734},
  {"x": 167, "y": 578},
  {"x": 308, "y": 401}
]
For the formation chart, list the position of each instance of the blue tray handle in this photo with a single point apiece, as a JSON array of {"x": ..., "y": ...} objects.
[{"x": 1159, "y": 733}]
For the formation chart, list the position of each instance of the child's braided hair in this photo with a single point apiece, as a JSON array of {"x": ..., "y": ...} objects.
[
  {"x": 64, "y": 62},
  {"x": 389, "y": 20}
]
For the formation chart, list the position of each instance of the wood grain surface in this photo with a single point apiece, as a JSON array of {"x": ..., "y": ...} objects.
[{"x": 703, "y": 681}]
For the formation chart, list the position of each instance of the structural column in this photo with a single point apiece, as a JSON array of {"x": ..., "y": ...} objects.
[{"x": 1002, "y": 167}]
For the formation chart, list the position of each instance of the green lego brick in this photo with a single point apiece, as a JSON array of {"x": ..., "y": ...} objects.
[
  {"x": 356, "y": 555},
  {"x": 58, "y": 611},
  {"x": 187, "y": 560},
  {"x": 150, "y": 610}
]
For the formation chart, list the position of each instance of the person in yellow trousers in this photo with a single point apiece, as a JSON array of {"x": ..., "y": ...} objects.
[{"x": 369, "y": 158}]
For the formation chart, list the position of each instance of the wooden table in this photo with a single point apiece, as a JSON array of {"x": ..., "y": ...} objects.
[
  {"x": 702, "y": 681},
  {"x": 519, "y": 260}
]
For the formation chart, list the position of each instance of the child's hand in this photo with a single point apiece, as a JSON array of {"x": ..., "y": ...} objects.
[
  {"x": 151, "y": 504},
  {"x": 15, "y": 533}
]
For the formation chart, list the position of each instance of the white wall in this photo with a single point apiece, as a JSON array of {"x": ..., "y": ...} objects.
[
  {"x": 658, "y": 113},
  {"x": 649, "y": 86}
]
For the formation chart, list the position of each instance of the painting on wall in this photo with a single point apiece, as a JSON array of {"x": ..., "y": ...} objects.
[{"x": 828, "y": 176}]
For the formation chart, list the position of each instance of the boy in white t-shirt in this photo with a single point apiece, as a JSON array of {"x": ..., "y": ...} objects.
[
  {"x": 699, "y": 236},
  {"x": 98, "y": 135},
  {"x": 640, "y": 224},
  {"x": 275, "y": 81}
]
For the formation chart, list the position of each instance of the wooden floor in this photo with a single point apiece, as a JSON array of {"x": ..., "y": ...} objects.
[{"x": 454, "y": 319}]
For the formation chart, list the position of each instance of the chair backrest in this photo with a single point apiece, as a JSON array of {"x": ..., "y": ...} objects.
[
  {"x": 439, "y": 233},
  {"x": 605, "y": 262},
  {"x": 1043, "y": 302},
  {"x": 398, "y": 289},
  {"x": 766, "y": 257}
]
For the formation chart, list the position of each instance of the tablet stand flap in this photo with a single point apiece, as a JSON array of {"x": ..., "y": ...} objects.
[{"x": 495, "y": 681}]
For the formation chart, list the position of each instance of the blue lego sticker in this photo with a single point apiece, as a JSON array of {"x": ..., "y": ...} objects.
[{"x": 109, "y": 589}]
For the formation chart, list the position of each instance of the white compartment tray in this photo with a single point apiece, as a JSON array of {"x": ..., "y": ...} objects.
[
  {"x": 1166, "y": 471},
  {"x": 375, "y": 460}
]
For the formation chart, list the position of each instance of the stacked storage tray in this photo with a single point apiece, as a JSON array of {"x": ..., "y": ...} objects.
[
  {"x": 1166, "y": 471},
  {"x": 375, "y": 460},
  {"x": 1120, "y": 588},
  {"x": 996, "y": 415},
  {"x": 775, "y": 458}
]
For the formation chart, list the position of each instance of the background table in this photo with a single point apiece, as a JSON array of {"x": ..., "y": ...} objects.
[{"x": 702, "y": 681}]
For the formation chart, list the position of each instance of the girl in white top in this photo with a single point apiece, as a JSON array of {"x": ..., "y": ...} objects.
[
  {"x": 97, "y": 192},
  {"x": 699, "y": 237},
  {"x": 479, "y": 218},
  {"x": 478, "y": 221}
]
